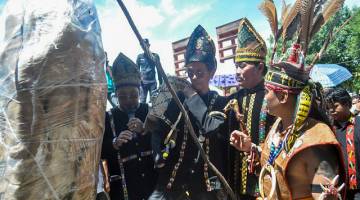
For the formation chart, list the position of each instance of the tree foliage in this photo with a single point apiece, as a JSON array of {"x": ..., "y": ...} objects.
[{"x": 344, "y": 49}]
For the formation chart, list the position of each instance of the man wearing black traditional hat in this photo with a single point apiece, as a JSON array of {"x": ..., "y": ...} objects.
[
  {"x": 183, "y": 174},
  {"x": 125, "y": 146},
  {"x": 148, "y": 73},
  {"x": 250, "y": 71}
]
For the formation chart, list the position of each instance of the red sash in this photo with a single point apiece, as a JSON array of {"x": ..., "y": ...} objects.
[{"x": 350, "y": 149}]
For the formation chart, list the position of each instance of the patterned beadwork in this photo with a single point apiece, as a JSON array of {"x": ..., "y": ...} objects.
[
  {"x": 262, "y": 124},
  {"x": 274, "y": 152},
  {"x": 350, "y": 149},
  {"x": 182, "y": 153},
  {"x": 207, "y": 148},
  {"x": 244, "y": 166},
  {"x": 206, "y": 167}
]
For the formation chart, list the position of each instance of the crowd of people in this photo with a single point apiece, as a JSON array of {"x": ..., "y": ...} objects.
[{"x": 281, "y": 138}]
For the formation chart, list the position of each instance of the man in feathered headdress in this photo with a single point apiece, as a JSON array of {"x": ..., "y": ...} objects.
[{"x": 300, "y": 158}]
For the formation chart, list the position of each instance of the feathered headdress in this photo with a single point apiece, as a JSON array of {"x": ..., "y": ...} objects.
[{"x": 303, "y": 20}]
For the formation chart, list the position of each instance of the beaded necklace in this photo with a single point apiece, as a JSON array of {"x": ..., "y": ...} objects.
[
  {"x": 262, "y": 123},
  {"x": 275, "y": 151}
]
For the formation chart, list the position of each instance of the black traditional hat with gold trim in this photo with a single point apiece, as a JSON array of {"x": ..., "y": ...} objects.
[
  {"x": 201, "y": 48},
  {"x": 125, "y": 72},
  {"x": 251, "y": 47},
  {"x": 304, "y": 19}
]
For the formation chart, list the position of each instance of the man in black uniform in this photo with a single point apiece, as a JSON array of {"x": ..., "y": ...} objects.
[
  {"x": 183, "y": 174},
  {"x": 127, "y": 149},
  {"x": 250, "y": 71},
  {"x": 147, "y": 69},
  {"x": 347, "y": 129}
]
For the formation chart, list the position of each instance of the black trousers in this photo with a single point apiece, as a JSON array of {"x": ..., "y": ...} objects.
[
  {"x": 145, "y": 89},
  {"x": 160, "y": 193}
]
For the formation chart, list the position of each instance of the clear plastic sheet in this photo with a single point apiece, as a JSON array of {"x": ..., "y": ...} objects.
[{"x": 52, "y": 99}]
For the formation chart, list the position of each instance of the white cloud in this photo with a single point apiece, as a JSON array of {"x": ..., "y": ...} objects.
[
  {"x": 164, "y": 49},
  {"x": 167, "y": 6},
  {"x": 351, "y": 3},
  {"x": 117, "y": 35},
  {"x": 188, "y": 13}
]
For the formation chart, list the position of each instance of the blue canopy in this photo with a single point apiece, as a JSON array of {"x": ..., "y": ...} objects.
[
  {"x": 226, "y": 80},
  {"x": 329, "y": 75}
]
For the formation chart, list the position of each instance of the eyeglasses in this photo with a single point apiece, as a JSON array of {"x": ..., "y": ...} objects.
[{"x": 198, "y": 74}]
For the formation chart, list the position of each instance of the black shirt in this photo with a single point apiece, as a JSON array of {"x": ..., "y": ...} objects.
[
  {"x": 250, "y": 102},
  {"x": 341, "y": 137},
  {"x": 139, "y": 169},
  {"x": 191, "y": 170}
]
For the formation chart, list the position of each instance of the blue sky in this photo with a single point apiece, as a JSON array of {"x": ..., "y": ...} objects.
[
  {"x": 209, "y": 14},
  {"x": 166, "y": 21}
]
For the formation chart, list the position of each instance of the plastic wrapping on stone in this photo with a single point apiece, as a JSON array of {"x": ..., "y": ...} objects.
[{"x": 52, "y": 99}]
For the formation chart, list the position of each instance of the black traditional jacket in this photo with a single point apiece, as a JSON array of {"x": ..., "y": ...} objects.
[
  {"x": 190, "y": 172},
  {"x": 250, "y": 102},
  {"x": 136, "y": 158}
]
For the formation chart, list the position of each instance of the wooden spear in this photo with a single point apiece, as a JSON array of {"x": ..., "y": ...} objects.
[{"x": 177, "y": 100}]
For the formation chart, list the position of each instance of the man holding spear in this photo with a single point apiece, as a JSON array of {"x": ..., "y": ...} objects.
[
  {"x": 179, "y": 104},
  {"x": 183, "y": 174}
]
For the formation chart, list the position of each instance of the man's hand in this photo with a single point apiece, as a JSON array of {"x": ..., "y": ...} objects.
[
  {"x": 136, "y": 125},
  {"x": 124, "y": 137},
  {"x": 240, "y": 141}
]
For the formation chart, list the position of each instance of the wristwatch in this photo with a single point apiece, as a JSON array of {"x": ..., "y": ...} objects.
[{"x": 115, "y": 143}]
